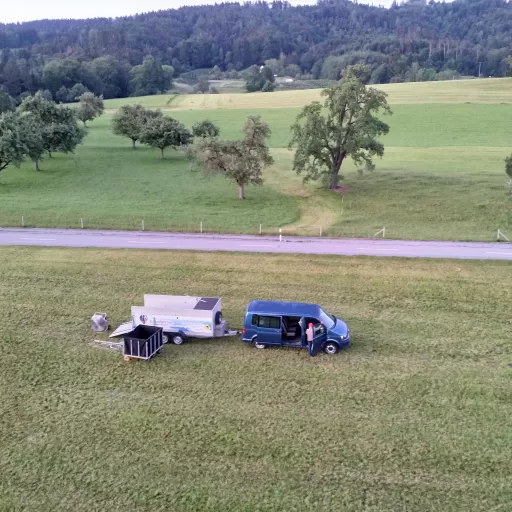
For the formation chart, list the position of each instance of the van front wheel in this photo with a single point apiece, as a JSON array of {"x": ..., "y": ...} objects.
[
  {"x": 256, "y": 344},
  {"x": 331, "y": 348}
]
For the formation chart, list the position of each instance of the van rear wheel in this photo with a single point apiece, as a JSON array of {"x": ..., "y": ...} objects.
[{"x": 257, "y": 345}]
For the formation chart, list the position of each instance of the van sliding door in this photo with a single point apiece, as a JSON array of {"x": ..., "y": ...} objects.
[{"x": 269, "y": 329}]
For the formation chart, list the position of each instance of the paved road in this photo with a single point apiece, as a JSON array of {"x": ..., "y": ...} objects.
[{"x": 266, "y": 244}]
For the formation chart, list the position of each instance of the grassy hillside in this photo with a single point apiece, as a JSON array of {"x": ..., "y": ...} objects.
[
  {"x": 442, "y": 177},
  {"x": 415, "y": 416},
  {"x": 486, "y": 91}
]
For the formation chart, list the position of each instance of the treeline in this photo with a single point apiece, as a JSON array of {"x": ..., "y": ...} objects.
[
  {"x": 65, "y": 79},
  {"x": 109, "y": 57}
]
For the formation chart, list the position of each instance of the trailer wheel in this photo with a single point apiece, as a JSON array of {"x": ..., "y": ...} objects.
[
  {"x": 165, "y": 339},
  {"x": 178, "y": 339},
  {"x": 218, "y": 318}
]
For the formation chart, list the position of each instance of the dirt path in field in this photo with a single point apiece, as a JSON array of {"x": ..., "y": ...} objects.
[{"x": 318, "y": 207}]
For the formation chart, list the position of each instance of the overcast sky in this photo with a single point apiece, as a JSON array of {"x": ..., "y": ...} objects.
[{"x": 26, "y": 10}]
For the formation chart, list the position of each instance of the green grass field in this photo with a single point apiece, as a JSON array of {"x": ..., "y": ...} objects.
[
  {"x": 442, "y": 176},
  {"x": 111, "y": 186},
  {"x": 414, "y": 416}
]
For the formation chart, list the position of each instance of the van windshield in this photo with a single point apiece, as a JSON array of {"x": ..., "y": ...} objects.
[{"x": 328, "y": 320}]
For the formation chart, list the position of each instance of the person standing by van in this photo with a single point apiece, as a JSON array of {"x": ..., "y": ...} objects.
[{"x": 310, "y": 333}]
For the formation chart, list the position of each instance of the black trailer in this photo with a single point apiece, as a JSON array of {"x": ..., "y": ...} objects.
[{"x": 144, "y": 342}]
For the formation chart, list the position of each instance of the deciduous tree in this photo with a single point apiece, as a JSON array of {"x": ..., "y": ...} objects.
[
  {"x": 260, "y": 79},
  {"x": 32, "y": 131},
  {"x": 241, "y": 161},
  {"x": 64, "y": 134},
  {"x": 164, "y": 132},
  {"x": 149, "y": 78},
  {"x": 76, "y": 91},
  {"x": 346, "y": 125},
  {"x": 205, "y": 128},
  {"x": 12, "y": 143},
  {"x": 58, "y": 125},
  {"x": 113, "y": 76},
  {"x": 129, "y": 121},
  {"x": 90, "y": 107}
]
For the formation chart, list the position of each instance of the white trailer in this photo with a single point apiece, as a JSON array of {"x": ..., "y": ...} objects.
[{"x": 180, "y": 317}]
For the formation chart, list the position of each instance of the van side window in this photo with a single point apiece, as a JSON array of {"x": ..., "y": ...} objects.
[
  {"x": 270, "y": 322},
  {"x": 254, "y": 320}
]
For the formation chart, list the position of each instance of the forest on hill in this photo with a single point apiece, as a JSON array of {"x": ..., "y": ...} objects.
[{"x": 141, "y": 54}]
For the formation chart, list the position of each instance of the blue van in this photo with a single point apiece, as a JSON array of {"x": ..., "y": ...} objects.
[{"x": 285, "y": 323}]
